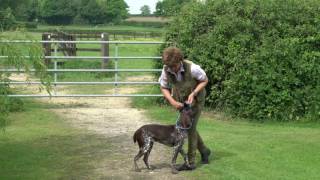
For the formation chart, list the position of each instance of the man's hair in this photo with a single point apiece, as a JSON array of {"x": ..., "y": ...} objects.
[{"x": 171, "y": 56}]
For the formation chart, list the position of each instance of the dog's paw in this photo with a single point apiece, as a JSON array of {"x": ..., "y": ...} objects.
[
  {"x": 152, "y": 167},
  {"x": 174, "y": 171}
]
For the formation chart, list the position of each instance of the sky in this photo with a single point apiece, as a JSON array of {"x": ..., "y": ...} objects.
[{"x": 135, "y": 5}]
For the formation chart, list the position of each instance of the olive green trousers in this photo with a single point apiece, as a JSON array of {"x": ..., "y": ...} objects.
[{"x": 194, "y": 139}]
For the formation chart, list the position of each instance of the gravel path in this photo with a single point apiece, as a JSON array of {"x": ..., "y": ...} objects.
[{"x": 114, "y": 119}]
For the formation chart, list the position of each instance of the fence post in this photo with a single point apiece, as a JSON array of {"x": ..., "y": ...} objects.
[
  {"x": 104, "y": 50},
  {"x": 46, "y": 47}
]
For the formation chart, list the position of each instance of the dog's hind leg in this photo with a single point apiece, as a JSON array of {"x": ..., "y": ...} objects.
[
  {"x": 146, "y": 155},
  {"x": 136, "y": 158}
]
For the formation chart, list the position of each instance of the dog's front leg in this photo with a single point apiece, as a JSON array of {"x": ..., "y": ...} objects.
[
  {"x": 176, "y": 149},
  {"x": 184, "y": 155}
]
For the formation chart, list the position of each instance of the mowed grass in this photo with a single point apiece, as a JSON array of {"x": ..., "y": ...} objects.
[
  {"x": 248, "y": 150},
  {"x": 37, "y": 144}
]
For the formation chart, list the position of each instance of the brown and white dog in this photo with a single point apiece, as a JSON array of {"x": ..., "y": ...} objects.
[{"x": 170, "y": 135}]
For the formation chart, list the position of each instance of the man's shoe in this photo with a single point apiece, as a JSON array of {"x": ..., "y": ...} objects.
[
  {"x": 186, "y": 167},
  {"x": 205, "y": 157}
]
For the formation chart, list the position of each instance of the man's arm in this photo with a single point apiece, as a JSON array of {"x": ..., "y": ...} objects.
[
  {"x": 199, "y": 87},
  {"x": 166, "y": 93}
]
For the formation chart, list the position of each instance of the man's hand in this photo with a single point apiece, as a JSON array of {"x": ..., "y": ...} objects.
[
  {"x": 191, "y": 98},
  {"x": 177, "y": 105}
]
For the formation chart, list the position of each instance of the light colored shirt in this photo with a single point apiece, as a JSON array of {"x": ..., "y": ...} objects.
[{"x": 196, "y": 72}]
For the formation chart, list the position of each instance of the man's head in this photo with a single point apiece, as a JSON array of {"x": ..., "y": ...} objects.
[{"x": 172, "y": 57}]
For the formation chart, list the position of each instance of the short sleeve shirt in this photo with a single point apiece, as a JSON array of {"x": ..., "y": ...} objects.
[{"x": 196, "y": 72}]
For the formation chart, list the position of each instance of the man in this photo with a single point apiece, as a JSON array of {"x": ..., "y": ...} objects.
[{"x": 187, "y": 82}]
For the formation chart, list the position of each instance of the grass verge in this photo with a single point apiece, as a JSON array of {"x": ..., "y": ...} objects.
[
  {"x": 38, "y": 144},
  {"x": 249, "y": 150}
]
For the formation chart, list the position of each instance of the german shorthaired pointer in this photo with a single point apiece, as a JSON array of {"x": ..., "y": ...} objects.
[{"x": 170, "y": 135}]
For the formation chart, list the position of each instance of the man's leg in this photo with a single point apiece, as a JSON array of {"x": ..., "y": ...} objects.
[
  {"x": 196, "y": 142},
  {"x": 192, "y": 143},
  {"x": 193, "y": 137}
]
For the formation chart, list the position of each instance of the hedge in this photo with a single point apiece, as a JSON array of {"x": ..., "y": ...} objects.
[{"x": 262, "y": 57}]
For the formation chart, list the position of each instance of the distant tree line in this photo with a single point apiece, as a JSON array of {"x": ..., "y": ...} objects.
[
  {"x": 165, "y": 8},
  {"x": 62, "y": 11}
]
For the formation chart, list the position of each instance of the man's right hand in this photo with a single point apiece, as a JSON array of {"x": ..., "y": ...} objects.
[{"x": 177, "y": 105}]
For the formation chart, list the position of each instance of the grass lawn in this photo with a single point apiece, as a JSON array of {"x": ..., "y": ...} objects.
[
  {"x": 250, "y": 150},
  {"x": 37, "y": 144}
]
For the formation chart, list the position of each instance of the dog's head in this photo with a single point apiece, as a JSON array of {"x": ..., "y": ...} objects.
[{"x": 186, "y": 116}]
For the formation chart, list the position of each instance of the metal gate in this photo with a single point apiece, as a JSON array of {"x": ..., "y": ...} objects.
[{"x": 116, "y": 70}]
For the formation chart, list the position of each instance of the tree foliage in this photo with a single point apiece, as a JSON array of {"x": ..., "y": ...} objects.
[
  {"x": 58, "y": 11},
  {"x": 92, "y": 12},
  {"x": 7, "y": 19},
  {"x": 22, "y": 10},
  {"x": 116, "y": 10},
  {"x": 262, "y": 57},
  {"x": 16, "y": 59},
  {"x": 87, "y": 11},
  {"x": 145, "y": 10},
  {"x": 169, "y": 7}
]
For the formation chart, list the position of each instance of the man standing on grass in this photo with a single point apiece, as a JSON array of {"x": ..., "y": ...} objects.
[{"x": 187, "y": 82}]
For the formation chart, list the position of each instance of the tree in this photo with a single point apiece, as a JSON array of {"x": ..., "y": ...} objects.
[
  {"x": 18, "y": 7},
  {"x": 92, "y": 12},
  {"x": 116, "y": 10},
  {"x": 58, "y": 11},
  {"x": 103, "y": 11},
  {"x": 33, "y": 10},
  {"x": 169, "y": 7},
  {"x": 16, "y": 59},
  {"x": 145, "y": 10},
  {"x": 7, "y": 19}
]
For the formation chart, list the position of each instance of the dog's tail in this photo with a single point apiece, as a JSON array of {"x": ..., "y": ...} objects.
[{"x": 137, "y": 136}]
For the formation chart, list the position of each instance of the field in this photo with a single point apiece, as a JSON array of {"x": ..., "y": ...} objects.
[
  {"x": 61, "y": 139},
  {"x": 148, "y": 19},
  {"x": 101, "y": 28}
]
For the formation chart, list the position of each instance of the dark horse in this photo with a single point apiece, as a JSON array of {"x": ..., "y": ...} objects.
[{"x": 170, "y": 135}]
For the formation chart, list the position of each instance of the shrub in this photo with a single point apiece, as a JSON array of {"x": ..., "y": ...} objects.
[{"x": 261, "y": 57}]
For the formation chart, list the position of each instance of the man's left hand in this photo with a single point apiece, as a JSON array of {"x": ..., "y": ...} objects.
[{"x": 190, "y": 98}]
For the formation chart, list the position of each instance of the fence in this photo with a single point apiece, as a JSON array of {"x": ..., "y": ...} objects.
[
  {"x": 113, "y": 34},
  {"x": 116, "y": 70},
  {"x": 71, "y": 49}
]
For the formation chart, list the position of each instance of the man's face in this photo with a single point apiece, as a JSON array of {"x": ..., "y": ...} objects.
[{"x": 175, "y": 67}]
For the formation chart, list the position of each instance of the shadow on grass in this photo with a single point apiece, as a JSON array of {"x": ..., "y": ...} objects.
[
  {"x": 218, "y": 155},
  {"x": 51, "y": 157}
]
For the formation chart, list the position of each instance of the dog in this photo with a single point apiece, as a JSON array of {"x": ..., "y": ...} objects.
[{"x": 170, "y": 135}]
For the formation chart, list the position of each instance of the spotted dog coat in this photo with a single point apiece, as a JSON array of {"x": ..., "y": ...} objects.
[{"x": 170, "y": 135}]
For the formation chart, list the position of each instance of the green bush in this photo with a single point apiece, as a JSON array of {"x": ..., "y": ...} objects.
[{"x": 262, "y": 57}]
